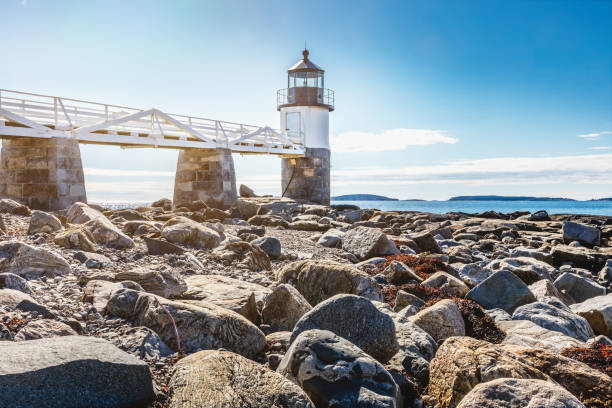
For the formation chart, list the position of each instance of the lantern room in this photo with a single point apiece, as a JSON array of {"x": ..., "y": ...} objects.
[{"x": 305, "y": 86}]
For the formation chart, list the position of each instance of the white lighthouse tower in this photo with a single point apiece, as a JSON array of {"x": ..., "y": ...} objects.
[{"x": 304, "y": 108}]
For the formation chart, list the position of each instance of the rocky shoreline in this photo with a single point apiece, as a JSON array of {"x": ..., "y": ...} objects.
[{"x": 278, "y": 303}]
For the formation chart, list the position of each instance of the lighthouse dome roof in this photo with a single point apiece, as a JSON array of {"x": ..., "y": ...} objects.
[{"x": 305, "y": 65}]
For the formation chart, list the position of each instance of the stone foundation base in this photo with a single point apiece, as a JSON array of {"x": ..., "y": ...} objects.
[
  {"x": 44, "y": 174},
  {"x": 308, "y": 178},
  {"x": 206, "y": 175}
]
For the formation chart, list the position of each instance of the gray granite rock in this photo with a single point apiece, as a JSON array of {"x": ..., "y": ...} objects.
[
  {"x": 554, "y": 318},
  {"x": 502, "y": 290},
  {"x": 598, "y": 312},
  {"x": 578, "y": 287},
  {"x": 365, "y": 242},
  {"x": 585, "y": 234},
  {"x": 71, "y": 371},
  {"x": 355, "y": 319}
]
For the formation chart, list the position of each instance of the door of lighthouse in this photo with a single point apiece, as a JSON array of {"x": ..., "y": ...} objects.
[{"x": 293, "y": 124}]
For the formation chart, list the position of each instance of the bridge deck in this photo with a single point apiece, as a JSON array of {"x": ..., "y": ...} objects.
[{"x": 31, "y": 115}]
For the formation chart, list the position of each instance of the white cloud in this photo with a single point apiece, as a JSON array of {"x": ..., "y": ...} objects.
[
  {"x": 24, "y": 3},
  {"x": 592, "y": 136},
  {"x": 393, "y": 139},
  {"x": 586, "y": 169},
  {"x": 601, "y": 148}
]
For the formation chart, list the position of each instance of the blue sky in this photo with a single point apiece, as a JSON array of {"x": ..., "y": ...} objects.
[{"x": 433, "y": 98}]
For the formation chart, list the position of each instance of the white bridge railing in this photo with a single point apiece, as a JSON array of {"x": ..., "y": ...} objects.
[{"x": 32, "y": 115}]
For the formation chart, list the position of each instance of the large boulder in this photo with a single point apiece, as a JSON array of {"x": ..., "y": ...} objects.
[
  {"x": 512, "y": 392},
  {"x": 98, "y": 292},
  {"x": 214, "y": 378},
  {"x": 9, "y": 206},
  {"x": 461, "y": 363},
  {"x": 284, "y": 307},
  {"x": 319, "y": 280},
  {"x": 182, "y": 230},
  {"x": 43, "y": 222},
  {"x": 71, "y": 371},
  {"x": 232, "y": 294},
  {"x": 473, "y": 274},
  {"x": 398, "y": 273},
  {"x": 528, "y": 334},
  {"x": 31, "y": 262},
  {"x": 554, "y": 318},
  {"x": 425, "y": 241},
  {"x": 578, "y": 287},
  {"x": 246, "y": 191},
  {"x": 580, "y": 257},
  {"x": 530, "y": 270},
  {"x": 355, "y": 319},
  {"x": 336, "y": 373},
  {"x": 76, "y": 237},
  {"x": 332, "y": 238},
  {"x": 365, "y": 243},
  {"x": 165, "y": 282},
  {"x": 101, "y": 228},
  {"x": 201, "y": 327},
  {"x": 544, "y": 288},
  {"x": 503, "y": 290},
  {"x": 585, "y": 234},
  {"x": 598, "y": 312},
  {"x": 441, "y": 320}
]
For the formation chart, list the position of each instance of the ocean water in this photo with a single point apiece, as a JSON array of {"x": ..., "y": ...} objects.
[{"x": 441, "y": 207}]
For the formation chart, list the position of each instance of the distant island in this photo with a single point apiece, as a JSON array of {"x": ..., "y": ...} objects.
[
  {"x": 601, "y": 199},
  {"x": 362, "y": 197},
  {"x": 507, "y": 198}
]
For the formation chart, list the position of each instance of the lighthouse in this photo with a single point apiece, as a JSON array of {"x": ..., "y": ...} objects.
[{"x": 304, "y": 108}]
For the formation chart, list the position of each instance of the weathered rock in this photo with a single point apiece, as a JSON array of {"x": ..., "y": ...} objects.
[
  {"x": 269, "y": 245},
  {"x": 528, "y": 334},
  {"x": 268, "y": 220},
  {"x": 598, "y": 312},
  {"x": 250, "y": 256},
  {"x": 425, "y": 241},
  {"x": 232, "y": 294},
  {"x": 161, "y": 247},
  {"x": 404, "y": 299},
  {"x": 164, "y": 283},
  {"x": 284, "y": 307},
  {"x": 355, "y": 319},
  {"x": 246, "y": 208},
  {"x": 441, "y": 320},
  {"x": 416, "y": 349},
  {"x": 72, "y": 371},
  {"x": 530, "y": 270},
  {"x": 9, "y": 206},
  {"x": 97, "y": 292},
  {"x": 106, "y": 233},
  {"x": 463, "y": 362},
  {"x": 81, "y": 213},
  {"x": 579, "y": 257},
  {"x": 205, "y": 326},
  {"x": 30, "y": 262},
  {"x": 586, "y": 235},
  {"x": 76, "y": 237},
  {"x": 332, "y": 238},
  {"x": 606, "y": 272},
  {"x": 12, "y": 281},
  {"x": 545, "y": 288},
  {"x": 335, "y": 373},
  {"x": 223, "y": 379},
  {"x": 511, "y": 392},
  {"x": 181, "y": 230},
  {"x": 562, "y": 320},
  {"x": 319, "y": 280},
  {"x": 364, "y": 243},
  {"x": 164, "y": 203},
  {"x": 144, "y": 343},
  {"x": 45, "y": 328},
  {"x": 398, "y": 273},
  {"x": 578, "y": 287},
  {"x": 43, "y": 222},
  {"x": 502, "y": 290},
  {"x": 447, "y": 283},
  {"x": 474, "y": 273},
  {"x": 246, "y": 191},
  {"x": 16, "y": 300},
  {"x": 521, "y": 252}
]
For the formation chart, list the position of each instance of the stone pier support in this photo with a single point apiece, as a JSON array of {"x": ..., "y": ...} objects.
[
  {"x": 44, "y": 174},
  {"x": 308, "y": 178},
  {"x": 206, "y": 175}
]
